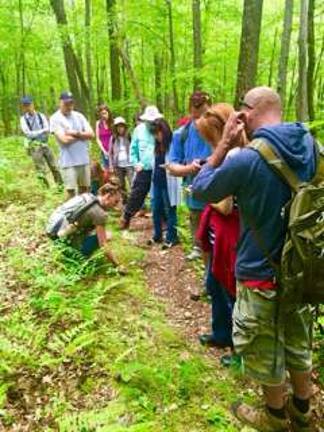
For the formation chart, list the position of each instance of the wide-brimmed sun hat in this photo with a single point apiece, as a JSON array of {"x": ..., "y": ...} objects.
[
  {"x": 119, "y": 120},
  {"x": 151, "y": 114}
]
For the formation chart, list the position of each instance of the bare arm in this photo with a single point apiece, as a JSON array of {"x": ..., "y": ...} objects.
[
  {"x": 64, "y": 138},
  {"x": 225, "y": 207},
  {"x": 103, "y": 243},
  {"x": 179, "y": 170}
]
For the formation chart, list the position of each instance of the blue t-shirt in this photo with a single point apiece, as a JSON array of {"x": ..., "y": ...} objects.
[
  {"x": 261, "y": 194},
  {"x": 184, "y": 153}
]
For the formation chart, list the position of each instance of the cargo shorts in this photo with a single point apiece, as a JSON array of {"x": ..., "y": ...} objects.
[
  {"x": 76, "y": 176},
  {"x": 270, "y": 341}
]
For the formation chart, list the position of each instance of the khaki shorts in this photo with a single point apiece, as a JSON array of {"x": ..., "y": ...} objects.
[
  {"x": 76, "y": 176},
  {"x": 269, "y": 346}
]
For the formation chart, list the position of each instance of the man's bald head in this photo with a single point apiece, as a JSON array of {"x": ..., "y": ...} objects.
[
  {"x": 263, "y": 98},
  {"x": 262, "y": 107}
]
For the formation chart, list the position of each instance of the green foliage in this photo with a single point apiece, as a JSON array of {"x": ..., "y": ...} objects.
[{"x": 83, "y": 349}]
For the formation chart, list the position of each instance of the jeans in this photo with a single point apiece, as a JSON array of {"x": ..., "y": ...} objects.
[
  {"x": 162, "y": 209},
  {"x": 89, "y": 245},
  {"x": 140, "y": 188},
  {"x": 222, "y": 308}
]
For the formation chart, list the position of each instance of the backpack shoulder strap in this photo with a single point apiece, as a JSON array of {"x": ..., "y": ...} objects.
[
  {"x": 27, "y": 122},
  {"x": 276, "y": 163},
  {"x": 40, "y": 119},
  {"x": 184, "y": 134},
  {"x": 81, "y": 210}
]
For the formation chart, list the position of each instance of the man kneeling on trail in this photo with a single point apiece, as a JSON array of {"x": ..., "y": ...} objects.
[
  {"x": 80, "y": 222},
  {"x": 270, "y": 342}
]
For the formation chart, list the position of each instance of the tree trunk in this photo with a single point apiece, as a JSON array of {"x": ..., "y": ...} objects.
[
  {"x": 74, "y": 72},
  {"x": 273, "y": 55},
  {"x": 172, "y": 58},
  {"x": 302, "y": 98},
  {"x": 311, "y": 60},
  {"x": 22, "y": 48},
  {"x": 197, "y": 49},
  {"x": 116, "y": 92},
  {"x": 87, "y": 23},
  {"x": 133, "y": 78},
  {"x": 249, "y": 48},
  {"x": 284, "y": 51},
  {"x": 158, "y": 80}
]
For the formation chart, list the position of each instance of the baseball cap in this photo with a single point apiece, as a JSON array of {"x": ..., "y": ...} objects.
[
  {"x": 26, "y": 100},
  {"x": 66, "y": 96}
]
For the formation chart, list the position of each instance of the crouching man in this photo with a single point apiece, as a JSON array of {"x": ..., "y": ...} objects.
[{"x": 80, "y": 222}]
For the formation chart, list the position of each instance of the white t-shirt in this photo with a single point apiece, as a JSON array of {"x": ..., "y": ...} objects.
[{"x": 76, "y": 153}]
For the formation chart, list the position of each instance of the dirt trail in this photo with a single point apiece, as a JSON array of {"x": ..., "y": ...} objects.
[{"x": 172, "y": 279}]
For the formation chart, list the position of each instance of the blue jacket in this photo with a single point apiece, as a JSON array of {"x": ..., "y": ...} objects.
[
  {"x": 184, "y": 153},
  {"x": 261, "y": 194}
]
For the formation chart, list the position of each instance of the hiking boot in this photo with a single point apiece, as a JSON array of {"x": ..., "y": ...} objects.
[
  {"x": 210, "y": 341},
  {"x": 124, "y": 224},
  {"x": 259, "y": 418},
  {"x": 300, "y": 422},
  {"x": 194, "y": 254}
]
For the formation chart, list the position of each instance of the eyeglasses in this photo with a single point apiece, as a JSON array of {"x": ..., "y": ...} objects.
[{"x": 245, "y": 104}]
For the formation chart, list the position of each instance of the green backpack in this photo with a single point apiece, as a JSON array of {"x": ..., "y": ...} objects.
[{"x": 301, "y": 271}]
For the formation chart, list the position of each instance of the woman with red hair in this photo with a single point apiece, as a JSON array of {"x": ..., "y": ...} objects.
[{"x": 218, "y": 234}]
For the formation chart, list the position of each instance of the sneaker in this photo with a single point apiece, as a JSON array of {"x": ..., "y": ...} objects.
[
  {"x": 195, "y": 254},
  {"x": 259, "y": 419},
  {"x": 300, "y": 422},
  {"x": 152, "y": 242},
  {"x": 169, "y": 245},
  {"x": 124, "y": 224},
  {"x": 231, "y": 360}
]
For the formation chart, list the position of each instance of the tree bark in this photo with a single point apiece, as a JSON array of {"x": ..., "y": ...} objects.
[
  {"x": 197, "y": 45},
  {"x": 284, "y": 51},
  {"x": 88, "y": 55},
  {"x": 172, "y": 58},
  {"x": 249, "y": 48},
  {"x": 302, "y": 97},
  {"x": 74, "y": 72},
  {"x": 272, "y": 59},
  {"x": 133, "y": 78},
  {"x": 114, "y": 52},
  {"x": 22, "y": 68},
  {"x": 158, "y": 80},
  {"x": 311, "y": 60}
]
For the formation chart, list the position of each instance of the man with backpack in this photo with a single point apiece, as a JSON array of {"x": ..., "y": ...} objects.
[
  {"x": 35, "y": 128},
  {"x": 80, "y": 221},
  {"x": 72, "y": 132},
  {"x": 271, "y": 333},
  {"x": 188, "y": 152}
]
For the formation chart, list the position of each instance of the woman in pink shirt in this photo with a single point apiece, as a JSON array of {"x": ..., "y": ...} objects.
[{"x": 104, "y": 134}]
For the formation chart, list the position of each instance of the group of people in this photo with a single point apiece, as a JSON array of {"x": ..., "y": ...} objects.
[{"x": 236, "y": 205}]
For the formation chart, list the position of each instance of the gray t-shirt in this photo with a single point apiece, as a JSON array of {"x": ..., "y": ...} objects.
[{"x": 76, "y": 153}]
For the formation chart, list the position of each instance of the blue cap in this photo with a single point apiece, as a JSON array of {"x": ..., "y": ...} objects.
[
  {"x": 26, "y": 100},
  {"x": 66, "y": 96}
]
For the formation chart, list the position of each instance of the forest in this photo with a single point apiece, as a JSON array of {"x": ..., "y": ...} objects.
[
  {"x": 90, "y": 346},
  {"x": 128, "y": 53}
]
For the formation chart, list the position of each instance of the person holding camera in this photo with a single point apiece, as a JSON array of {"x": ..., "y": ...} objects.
[
  {"x": 188, "y": 152},
  {"x": 34, "y": 125}
]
